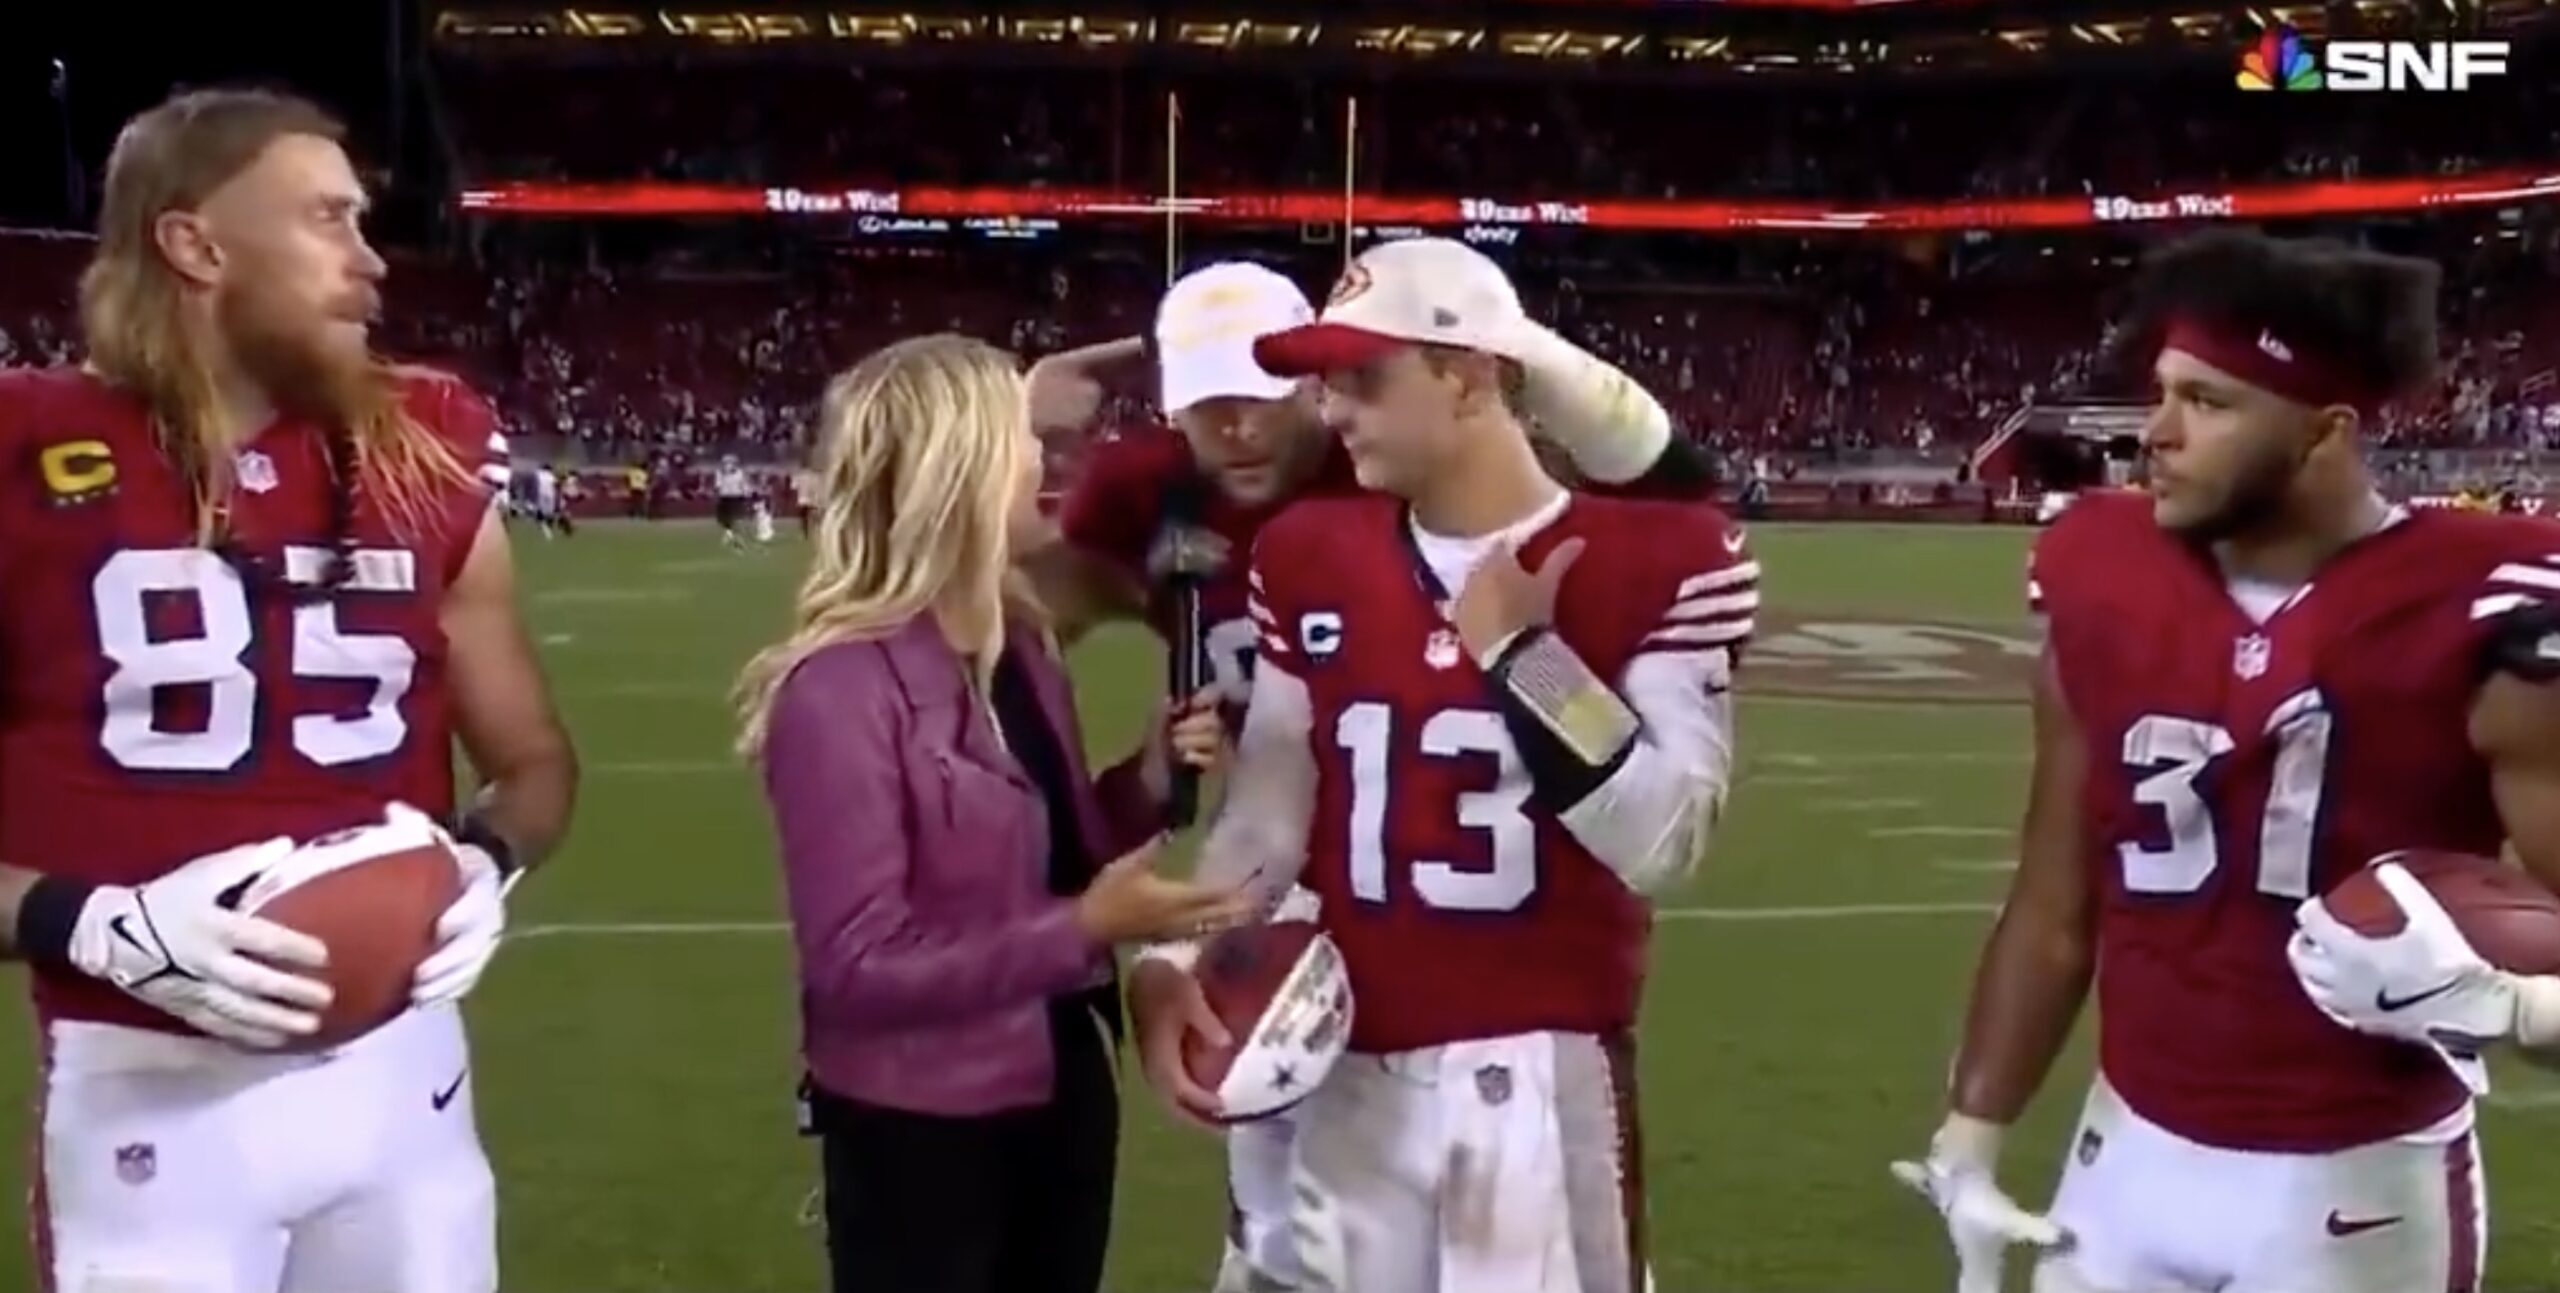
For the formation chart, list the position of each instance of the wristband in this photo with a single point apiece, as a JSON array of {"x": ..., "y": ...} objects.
[
  {"x": 48, "y": 912},
  {"x": 475, "y": 830}
]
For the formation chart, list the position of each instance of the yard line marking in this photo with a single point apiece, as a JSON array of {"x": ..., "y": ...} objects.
[
  {"x": 558, "y": 639},
  {"x": 1852, "y": 911},
  {"x": 2539, "y": 1098},
  {"x": 1869, "y": 805},
  {"x": 1789, "y": 779},
  {"x": 2002, "y": 864},
  {"x": 1936, "y": 832},
  {"x": 1991, "y": 703},
  {"x": 1890, "y": 757},
  {"x": 665, "y": 767}
]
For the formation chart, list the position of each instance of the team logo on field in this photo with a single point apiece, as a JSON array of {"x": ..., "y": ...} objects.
[
  {"x": 1933, "y": 663},
  {"x": 76, "y": 471},
  {"x": 2249, "y": 656},
  {"x": 1320, "y": 634},
  {"x": 1493, "y": 1082},
  {"x": 137, "y": 1163},
  {"x": 257, "y": 471},
  {"x": 1440, "y": 650}
]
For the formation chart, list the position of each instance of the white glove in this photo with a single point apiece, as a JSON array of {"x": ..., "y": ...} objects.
[
  {"x": 2424, "y": 985},
  {"x": 1982, "y": 1222},
  {"x": 467, "y": 934},
  {"x": 177, "y": 944}
]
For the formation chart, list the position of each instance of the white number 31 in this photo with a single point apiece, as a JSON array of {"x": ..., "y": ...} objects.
[
  {"x": 2176, "y": 751},
  {"x": 217, "y": 659}
]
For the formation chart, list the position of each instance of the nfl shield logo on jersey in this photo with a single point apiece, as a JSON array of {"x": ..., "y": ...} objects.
[
  {"x": 137, "y": 1163},
  {"x": 2249, "y": 657},
  {"x": 1493, "y": 1082},
  {"x": 257, "y": 472},
  {"x": 1440, "y": 650}
]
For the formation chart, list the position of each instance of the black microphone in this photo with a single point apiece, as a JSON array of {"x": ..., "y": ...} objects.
[{"x": 1185, "y": 560}]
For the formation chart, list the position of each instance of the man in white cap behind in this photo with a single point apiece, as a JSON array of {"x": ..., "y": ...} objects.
[{"x": 1482, "y": 764}]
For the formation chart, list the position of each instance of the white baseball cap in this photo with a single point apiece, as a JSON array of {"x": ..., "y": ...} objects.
[
  {"x": 1205, "y": 331},
  {"x": 1414, "y": 291}
]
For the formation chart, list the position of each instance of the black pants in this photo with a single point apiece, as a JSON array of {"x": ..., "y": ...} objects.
[{"x": 1016, "y": 1202}]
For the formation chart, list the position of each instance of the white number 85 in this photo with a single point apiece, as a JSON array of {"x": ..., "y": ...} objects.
[{"x": 217, "y": 659}]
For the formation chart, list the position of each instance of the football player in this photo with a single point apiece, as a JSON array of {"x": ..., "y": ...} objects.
[
  {"x": 1480, "y": 761},
  {"x": 255, "y": 590},
  {"x": 1245, "y": 444},
  {"x": 2257, "y": 676}
]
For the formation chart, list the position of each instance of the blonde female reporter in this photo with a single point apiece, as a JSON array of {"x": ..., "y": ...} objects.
[{"x": 956, "y": 880}]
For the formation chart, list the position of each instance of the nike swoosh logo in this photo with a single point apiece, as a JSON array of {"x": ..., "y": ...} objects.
[
  {"x": 117, "y": 928},
  {"x": 2340, "y": 1227},
  {"x": 2384, "y": 1001},
  {"x": 445, "y": 1097},
  {"x": 1733, "y": 540}
]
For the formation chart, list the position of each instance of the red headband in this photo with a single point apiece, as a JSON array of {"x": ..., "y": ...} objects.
[{"x": 2270, "y": 362}]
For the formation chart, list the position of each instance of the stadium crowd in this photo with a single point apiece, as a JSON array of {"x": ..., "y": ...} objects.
[{"x": 1262, "y": 126}]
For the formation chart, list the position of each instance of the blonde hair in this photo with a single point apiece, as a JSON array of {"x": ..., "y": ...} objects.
[
  {"x": 172, "y": 158},
  {"x": 919, "y": 450}
]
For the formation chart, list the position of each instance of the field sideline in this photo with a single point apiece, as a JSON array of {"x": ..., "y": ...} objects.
[{"x": 635, "y": 1042}]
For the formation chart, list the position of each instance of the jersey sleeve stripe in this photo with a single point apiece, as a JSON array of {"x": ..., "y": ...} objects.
[
  {"x": 1729, "y": 577},
  {"x": 2497, "y": 604},
  {"x": 1272, "y": 645},
  {"x": 1261, "y": 615},
  {"x": 1723, "y": 632},
  {"x": 1690, "y": 609},
  {"x": 2535, "y": 577}
]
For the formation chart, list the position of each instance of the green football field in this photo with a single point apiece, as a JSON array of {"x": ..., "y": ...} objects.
[{"x": 635, "y": 1040}]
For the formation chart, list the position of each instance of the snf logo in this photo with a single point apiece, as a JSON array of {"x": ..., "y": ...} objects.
[{"x": 2282, "y": 59}]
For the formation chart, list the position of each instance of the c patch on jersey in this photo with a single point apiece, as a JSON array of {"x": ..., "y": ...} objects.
[
  {"x": 76, "y": 471},
  {"x": 1320, "y": 634}
]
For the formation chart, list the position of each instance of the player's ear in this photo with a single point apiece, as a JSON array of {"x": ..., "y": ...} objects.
[{"x": 186, "y": 243}]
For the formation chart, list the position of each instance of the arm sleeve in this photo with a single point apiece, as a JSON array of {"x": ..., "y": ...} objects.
[
  {"x": 835, "y": 782},
  {"x": 1652, "y": 819},
  {"x": 1260, "y": 836}
]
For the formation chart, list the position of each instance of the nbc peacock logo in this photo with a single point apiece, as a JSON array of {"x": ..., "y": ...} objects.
[{"x": 2279, "y": 60}]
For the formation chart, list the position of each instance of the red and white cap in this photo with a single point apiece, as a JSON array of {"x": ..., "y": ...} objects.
[
  {"x": 1417, "y": 291},
  {"x": 1205, "y": 331}
]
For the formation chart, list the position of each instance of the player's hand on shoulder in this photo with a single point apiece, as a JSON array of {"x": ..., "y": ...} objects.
[
  {"x": 1983, "y": 1222},
  {"x": 177, "y": 943},
  {"x": 2423, "y": 984},
  {"x": 1504, "y": 598},
  {"x": 467, "y": 933},
  {"x": 1167, "y": 1008},
  {"x": 1130, "y": 902}
]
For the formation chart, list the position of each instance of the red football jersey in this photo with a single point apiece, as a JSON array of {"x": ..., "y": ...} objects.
[
  {"x": 2238, "y": 768},
  {"x": 1117, "y": 508},
  {"x": 1463, "y": 909},
  {"x": 156, "y": 706}
]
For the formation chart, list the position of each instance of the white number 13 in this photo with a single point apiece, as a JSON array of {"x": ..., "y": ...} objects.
[
  {"x": 2178, "y": 750},
  {"x": 217, "y": 659}
]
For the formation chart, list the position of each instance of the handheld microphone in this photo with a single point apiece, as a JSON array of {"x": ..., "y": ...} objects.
[{"x": 1185, "y": 564}]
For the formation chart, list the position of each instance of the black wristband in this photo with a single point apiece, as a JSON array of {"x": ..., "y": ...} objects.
[
  {"x": 47, "y": 913},
  {"x": 1558, "y": 778},
  {"x": 475, "y": 830}
]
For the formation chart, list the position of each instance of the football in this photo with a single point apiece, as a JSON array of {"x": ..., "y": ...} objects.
[
  {"x": 372, "y": 896},
  {"x": 2513, "y": 922},
  {"x": 1282, "y": 993}
]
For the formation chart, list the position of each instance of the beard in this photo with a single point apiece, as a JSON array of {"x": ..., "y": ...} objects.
[
  {"x": 302, "y": 366},
  {"x": 2256, "y": 498}
]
